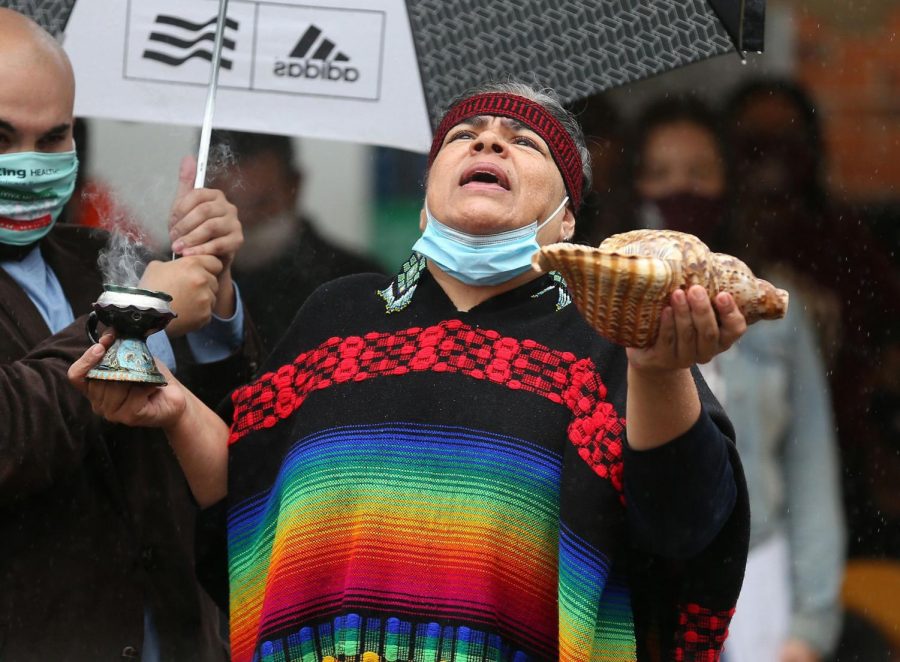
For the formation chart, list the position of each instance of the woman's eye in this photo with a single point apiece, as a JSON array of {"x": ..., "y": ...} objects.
[
  {"x": 464, "y": 134},
  {"x": 526, "y": 142}
]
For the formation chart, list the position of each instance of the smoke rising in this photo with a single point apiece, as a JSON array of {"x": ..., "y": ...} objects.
[{"x": 123, "y": 260}]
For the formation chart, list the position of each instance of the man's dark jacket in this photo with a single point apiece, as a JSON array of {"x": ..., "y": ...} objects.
[{"x": 96, "y": 520}]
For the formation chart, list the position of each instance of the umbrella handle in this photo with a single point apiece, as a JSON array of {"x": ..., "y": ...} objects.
[
  {"x": 206, "y": 127},
  {"x": 206, "y": 130},
  {"x": 91, "y": 327}
]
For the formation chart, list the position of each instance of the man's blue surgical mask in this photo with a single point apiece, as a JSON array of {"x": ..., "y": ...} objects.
[
  {"x": 481, "y": 259},
  {"x": 34, "y": 188}
]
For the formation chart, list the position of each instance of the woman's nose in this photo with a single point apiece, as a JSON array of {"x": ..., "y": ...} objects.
[{"x": 490, "y": 141}]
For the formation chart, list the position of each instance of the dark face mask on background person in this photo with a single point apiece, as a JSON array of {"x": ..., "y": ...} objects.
[{"x": 700, "y": 215}]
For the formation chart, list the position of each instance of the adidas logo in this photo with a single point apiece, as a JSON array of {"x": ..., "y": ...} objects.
[
  {"x": 315, "y": 56},
  {"x": 187, "y": 41}
]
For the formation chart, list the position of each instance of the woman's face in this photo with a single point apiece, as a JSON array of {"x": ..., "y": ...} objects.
[
  {"x": 681, "y": 157},
  {"x": 494, "y": 174}
]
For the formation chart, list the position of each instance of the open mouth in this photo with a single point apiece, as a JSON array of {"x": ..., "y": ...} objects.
[{"x": 485, "y": 175}]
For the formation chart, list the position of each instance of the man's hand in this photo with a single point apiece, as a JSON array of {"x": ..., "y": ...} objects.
[
  {"x": 194, "y": 286},
  {"x": 797, "y": 650},
  {"x": 689, "y": 332},
  {"x": 132, "y": 404},
  {"x": 203, "y": 222}
]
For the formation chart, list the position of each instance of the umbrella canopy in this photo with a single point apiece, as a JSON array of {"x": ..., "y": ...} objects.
[
  {"x": 744, "y": 21},
  {"x": 376, "y": 72},
  {"x": 579, "y": 46},
  {"x": 52, "y": 15}
]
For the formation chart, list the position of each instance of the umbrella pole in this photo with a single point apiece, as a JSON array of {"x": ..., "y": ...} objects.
[
  {"x": 206, "y": 127},
  {"x": 206, "y": 130}
]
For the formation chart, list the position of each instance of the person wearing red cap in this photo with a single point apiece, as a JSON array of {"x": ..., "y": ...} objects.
[{"x": 437, "y": 465}]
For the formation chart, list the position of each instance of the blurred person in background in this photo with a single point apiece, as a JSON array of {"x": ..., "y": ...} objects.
[
  {"x": 605, "y": 208},
  {"x": 679, "y": 171},
  {"x": 784, "y": 214},
  {"x": 284, "y": 257},
  {"x": 96, "y": 521},
  {"x": 774, "y": 388}
]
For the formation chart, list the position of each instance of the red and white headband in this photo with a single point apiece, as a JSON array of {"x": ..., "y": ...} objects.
[{"x": 531, "y": 114}]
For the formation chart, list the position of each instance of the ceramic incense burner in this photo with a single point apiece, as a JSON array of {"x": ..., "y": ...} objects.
[{"x": 134, "y": 314}]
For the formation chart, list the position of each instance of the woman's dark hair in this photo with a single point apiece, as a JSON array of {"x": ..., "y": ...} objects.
[
  {"x": 810, "y": 126},
  {"x": 787, "y": 89},
  {"x": 670, "y": 110}
]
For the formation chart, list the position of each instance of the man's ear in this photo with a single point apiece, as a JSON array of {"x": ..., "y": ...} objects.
[{"x": 423, "y": 220}]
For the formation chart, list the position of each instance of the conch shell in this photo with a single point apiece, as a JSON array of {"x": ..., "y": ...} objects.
[{"x": 622, "y": 287}]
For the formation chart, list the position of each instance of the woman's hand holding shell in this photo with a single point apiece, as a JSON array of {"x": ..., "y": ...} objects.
[{"x": 690, "y": 331}]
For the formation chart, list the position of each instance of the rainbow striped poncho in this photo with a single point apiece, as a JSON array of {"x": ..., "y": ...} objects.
[{"x": 412, "y": 483}]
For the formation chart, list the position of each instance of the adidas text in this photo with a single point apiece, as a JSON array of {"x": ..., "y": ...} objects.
[{"x": 324, "y": 71}]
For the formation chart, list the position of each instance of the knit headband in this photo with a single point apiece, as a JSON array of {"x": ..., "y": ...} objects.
[{"x": 531, "y": 114}]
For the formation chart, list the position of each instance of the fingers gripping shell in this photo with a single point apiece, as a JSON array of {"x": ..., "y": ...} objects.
[{"x": 622, "y": 286}]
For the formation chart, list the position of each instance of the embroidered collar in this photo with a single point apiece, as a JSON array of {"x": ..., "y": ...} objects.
[{"x": 399, "y": 292}]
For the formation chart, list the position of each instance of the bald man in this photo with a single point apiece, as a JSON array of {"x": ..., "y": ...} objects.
[{"x": 96, "y": 522}]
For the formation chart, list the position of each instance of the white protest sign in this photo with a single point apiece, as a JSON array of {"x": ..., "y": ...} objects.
[{"x": 322, "y": 69}]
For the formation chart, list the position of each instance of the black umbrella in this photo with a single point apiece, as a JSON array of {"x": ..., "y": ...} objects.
[
  {"x": 744, "y": 20},
  {"x": 52, "y": 15},
  {"x": 582, "y": 46},
  {"x": 578, "y": 47}
]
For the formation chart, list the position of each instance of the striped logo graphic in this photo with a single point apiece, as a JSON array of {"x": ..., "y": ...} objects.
[
  {"x": 316, "y": 57},
  {"x": 176, "y": 40},
  {"x": 324, "y": 50}
]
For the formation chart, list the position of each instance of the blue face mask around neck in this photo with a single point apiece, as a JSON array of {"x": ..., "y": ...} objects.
[
  {"x": 481, "y": 259},
  {"x": 34, "y": 188}
]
